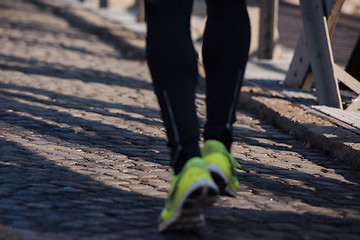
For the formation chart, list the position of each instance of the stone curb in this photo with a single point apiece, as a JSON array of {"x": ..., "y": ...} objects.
[{"x": 315, "y": 129}]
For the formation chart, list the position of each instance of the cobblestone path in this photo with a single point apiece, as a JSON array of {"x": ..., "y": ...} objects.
[{"x": 83, "y": 153}]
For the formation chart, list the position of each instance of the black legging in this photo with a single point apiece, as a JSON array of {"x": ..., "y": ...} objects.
[{"x": 172, "y": 60}]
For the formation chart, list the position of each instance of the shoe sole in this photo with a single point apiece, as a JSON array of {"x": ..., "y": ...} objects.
[
  {"x": 201, "y": 195},
  {"x": 221, "y": 180}
]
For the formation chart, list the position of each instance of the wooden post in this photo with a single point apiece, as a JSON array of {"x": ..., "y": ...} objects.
[
  {"x": 320, "y": 52},
  {"x": 141, "y": 10},
  {"x": 347, "y": 79},
  {"x": 269, "y": 34}
]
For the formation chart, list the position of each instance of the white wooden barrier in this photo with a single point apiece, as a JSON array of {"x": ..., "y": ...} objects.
[{"x": 313, "y": 57}]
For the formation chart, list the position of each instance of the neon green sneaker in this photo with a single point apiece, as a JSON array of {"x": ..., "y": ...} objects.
[
  {"x": 221, "y": 165},
  {"x": 191, "y": 192}
]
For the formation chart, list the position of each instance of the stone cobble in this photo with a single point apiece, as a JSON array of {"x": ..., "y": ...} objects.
[{"x": 83, "y": 152}]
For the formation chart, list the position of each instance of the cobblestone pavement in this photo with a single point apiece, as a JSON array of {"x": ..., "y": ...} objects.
[{"x": 83, "y": 153}]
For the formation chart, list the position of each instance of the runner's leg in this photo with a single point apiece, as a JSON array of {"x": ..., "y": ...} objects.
[
  {"x": 173, "y": 65},
  {"x": 225, "y": 53}
]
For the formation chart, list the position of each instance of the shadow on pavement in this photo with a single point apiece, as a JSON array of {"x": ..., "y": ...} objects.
[
  {"x": 40, "y": 196},
  {"x": 83, "y": 104},
  {"x": 37, "y": 67},
  {"x": 91, "y": 133},
  {"x": 315, "y": 189}
]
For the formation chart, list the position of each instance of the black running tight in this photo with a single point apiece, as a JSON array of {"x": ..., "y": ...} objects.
[{"x": 172, "y": 60}]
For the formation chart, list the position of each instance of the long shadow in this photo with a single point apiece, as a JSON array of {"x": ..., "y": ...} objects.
[
  {"x": 40, "y": 196},
  {"x": 77, "y": 196},
  {"x": 53, "y": 30},
  {"x": 43, "y": 197},
  {"x": 37, "y": 67},
  {"x": 121, "y": 140},
  {"x": 237, "y": 223},
  {"x": 249, "y": 136},
  {"x": 315, "y": 190},
  {"x": 88, "y": 105},
  {"x": 61, "y": 46},
  {"x": 83, "y": 29},
  {"x": 82, "y": 24},
  {"x": 36, "y": 26},
  {"x": 94, "y": 133}
]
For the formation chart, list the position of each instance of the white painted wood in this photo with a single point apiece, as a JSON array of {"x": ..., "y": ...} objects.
[
  {"x": 300, "y": 65},
  {"x": 355, "y": 105},
  {"x": 320, "y": 52},
  {"x": 350, "y": 117},
  {"x": 347, "y": 79}
]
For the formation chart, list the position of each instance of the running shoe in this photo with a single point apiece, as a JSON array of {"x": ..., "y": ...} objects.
[
  {"x": 191, "y": 192},
  {"x": 222, "y": 166}
]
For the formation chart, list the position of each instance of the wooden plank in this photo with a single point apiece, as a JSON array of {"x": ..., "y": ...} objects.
[
  {"x": 347, "y": 79},
  {"x": 346, "y": 119},
  {"x": 307, "y": 83},
  {"x": 269, "y": 33},
  {"x": 254, "y": 16},
  {"x": 141, "y": 10},
  {"x": 333, "y": 9},
  {"x": 300, "y": 65},
  {"x": 320, "y": 52},
  {"x": 355, "y": 105}
]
